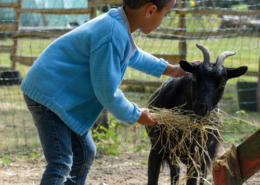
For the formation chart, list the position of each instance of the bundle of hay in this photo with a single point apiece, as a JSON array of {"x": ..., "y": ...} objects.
[{"x": 183, "y": 126}]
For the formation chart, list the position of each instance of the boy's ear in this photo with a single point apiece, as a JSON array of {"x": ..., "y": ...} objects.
[{"x": 151, "y": 8}]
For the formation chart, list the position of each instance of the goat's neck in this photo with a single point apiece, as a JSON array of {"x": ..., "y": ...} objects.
[{"x": 190, "y": 98}]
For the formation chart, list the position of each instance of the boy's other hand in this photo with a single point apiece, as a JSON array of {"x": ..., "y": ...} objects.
[
  {"x": 145, "y": 118},
  {"x": 176, "y": 71},
  {"x": 196, "y": 61}
]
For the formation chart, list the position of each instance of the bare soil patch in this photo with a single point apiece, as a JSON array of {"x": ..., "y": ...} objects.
[{"x": 125, "y": 169}]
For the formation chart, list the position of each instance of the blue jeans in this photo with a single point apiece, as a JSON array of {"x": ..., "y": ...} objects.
[{"x": 68, "y": 155}]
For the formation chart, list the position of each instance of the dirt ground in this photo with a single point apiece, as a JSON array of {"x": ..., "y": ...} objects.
[{"x": 125, "y": 169}]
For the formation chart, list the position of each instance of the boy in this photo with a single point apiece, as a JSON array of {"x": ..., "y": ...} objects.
[{"x": 79, "y": 74}]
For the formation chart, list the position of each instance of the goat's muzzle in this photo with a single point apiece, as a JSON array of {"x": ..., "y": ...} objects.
[{"x": 201, "y": 109}]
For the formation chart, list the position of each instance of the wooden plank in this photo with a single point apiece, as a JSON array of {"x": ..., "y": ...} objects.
[
  {"x": 42, "y": 34},
  {"x": 252, "y": 73},
  {"x": 42, "y": 28},
  {"x": 90, "y": 3},
  {"x": 25, "y": 60},
  {"x": 201, "y": 35},
  {"x": 172, "y": 59},
  {"x": 104, "y": 2},
  {"x": 70, "y": 10},
  {"x": 169, "y": 30},
  {"x": 5, "y": 49},
  {"x": 217, "y": 11},
  {"x": 249, "y": 156},
  {"x": 4, "y": 68},
  {"x": 7, "y": 26},
  {"x": 28, "y": 60},
  {"x": 220, "y": 174},
  {"x": 141, "y": 82},
  {"x": 227, "y": 170},
  {"x": 173, "y": 32},
  {"x": 168, "y": 33},
  {"x": 9, "y": 5},
  {"x": 224, "y": 34},
  {"x": 45, "y": 32},
  {"x": 56, "y": 11}
]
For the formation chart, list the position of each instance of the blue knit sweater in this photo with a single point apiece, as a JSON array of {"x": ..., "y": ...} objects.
[{"x": 80, "y": 73}]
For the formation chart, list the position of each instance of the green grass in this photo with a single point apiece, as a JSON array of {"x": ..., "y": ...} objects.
[
  {"x": 17, "y": 130},
  {"x": 238, "y": 128}
]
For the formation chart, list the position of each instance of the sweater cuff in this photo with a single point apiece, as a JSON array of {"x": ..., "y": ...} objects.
[
  {"x": 160, "y": 68},
  {"x": 136, "y": 116}
]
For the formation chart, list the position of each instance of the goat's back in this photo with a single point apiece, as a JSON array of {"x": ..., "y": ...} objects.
[{"x": 174, "y": 92}]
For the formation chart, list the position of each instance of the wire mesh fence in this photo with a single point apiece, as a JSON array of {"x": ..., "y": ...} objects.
[{"x": 27, "y": 27}]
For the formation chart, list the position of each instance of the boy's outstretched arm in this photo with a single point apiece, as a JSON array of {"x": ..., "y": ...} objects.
[
  {"x": 106, "y": 77},
  {"x": 154, "y": 66}
]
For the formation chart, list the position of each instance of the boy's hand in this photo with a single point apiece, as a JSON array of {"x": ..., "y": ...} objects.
[
  {"x": 196, "y": 61},
  {"x": 176, "y": 71},
  {"x": 145, "y": 118}
]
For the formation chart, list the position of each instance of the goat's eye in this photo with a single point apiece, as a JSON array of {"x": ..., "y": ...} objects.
[{"x": 223, "y": 84}]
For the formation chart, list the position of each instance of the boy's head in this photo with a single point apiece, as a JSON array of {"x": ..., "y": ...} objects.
[
  {"x": 136, "y": 4},
  {"x": 147, "y": 15}
]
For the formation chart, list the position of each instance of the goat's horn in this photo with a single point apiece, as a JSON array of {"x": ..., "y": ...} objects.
[
  {"x": 223, "y": 56},
  {"x": 205, "y": 52}
]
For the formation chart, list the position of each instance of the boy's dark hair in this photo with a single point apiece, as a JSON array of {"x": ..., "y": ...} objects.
[{"x": 136, "y": 4}]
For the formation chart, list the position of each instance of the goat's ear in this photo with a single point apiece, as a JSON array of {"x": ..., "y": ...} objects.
[
  {"x": 187, "y": 66},
  {"x": 236, "y": 72}
]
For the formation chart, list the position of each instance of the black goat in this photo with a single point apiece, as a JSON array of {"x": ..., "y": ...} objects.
[{"x": 201, "y": 90}]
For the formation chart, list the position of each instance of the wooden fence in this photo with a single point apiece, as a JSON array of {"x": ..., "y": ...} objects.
[{"x": 19, "y": 32}]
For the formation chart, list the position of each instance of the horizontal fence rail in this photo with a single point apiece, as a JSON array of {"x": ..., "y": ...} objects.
[
  {"x": 217, "y": 11},
  {"x": 56, "y": 11}
]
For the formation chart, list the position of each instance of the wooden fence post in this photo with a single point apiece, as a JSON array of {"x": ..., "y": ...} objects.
[
  {"x": 182, "y": 25},
  {"x": 15, "y": 42},
  {"x": 101, "y": 121},
  {"x": 93, "y": 13},
  {"x": 258, "y": 89}
]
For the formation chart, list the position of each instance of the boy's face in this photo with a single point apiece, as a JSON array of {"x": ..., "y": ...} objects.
[{"x": 156, "y": 18}]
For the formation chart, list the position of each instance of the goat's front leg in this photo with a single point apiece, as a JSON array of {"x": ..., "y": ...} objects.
[
  {"x": 175, "y": 171},
  {"x": 154, "y": 165},
  {"x": 203, "y": 174},
  {"x": 192, "y": 174}
]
